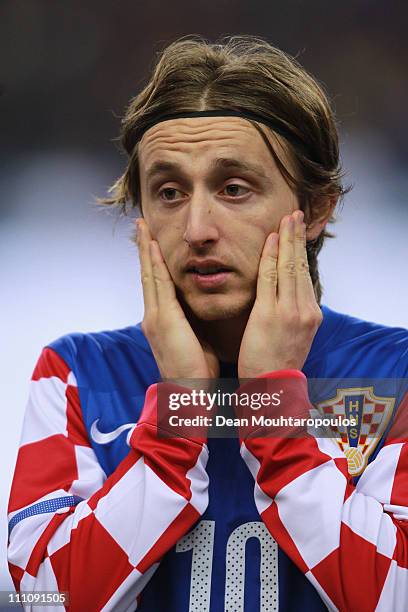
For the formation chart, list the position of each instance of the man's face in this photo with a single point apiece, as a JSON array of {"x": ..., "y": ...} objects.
[{"x": 211, "y": 193}]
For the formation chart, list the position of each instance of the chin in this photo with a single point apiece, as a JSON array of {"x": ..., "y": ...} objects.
[{"x": 218, "y": 308}]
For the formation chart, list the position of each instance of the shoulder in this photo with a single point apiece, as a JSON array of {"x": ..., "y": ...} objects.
[
  {"x": 364, "y": 345},
  {"x": 101, "y": 341},
  {"x": 99, "y": 352}
]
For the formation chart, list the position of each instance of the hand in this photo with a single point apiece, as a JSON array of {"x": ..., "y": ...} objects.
[
  {"x": 285, "y": 315},
  {"x": 177, "y": 350}
]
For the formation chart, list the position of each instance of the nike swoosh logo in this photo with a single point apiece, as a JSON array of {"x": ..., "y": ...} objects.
[{"x": 104, "y": 438}]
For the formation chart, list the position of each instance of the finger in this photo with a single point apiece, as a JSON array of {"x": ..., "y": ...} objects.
[
  {"x": 267, "y": 283},
  {"x": 146, "y": 270},
  {"x": 286, "y": 263},
  {"x": 304, "y": 286},
  {"x": 165, "y": 290}
]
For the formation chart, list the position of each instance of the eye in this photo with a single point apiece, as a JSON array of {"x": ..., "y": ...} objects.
[
  {"x": 170, "y": 194},
  {"x": 235, "y": 191}
]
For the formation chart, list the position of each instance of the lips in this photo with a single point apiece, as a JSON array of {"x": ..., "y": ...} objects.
[
  {"x": 206, "y": 267},
  {"x": 208, "y": 274},
  {"x": 208, "y": 271}
]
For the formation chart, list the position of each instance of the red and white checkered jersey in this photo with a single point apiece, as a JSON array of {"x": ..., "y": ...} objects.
[
  {"x": 350, "y": 541},
  {"x": 71, "y": 528},
  {"x": 101, "y": 539}
]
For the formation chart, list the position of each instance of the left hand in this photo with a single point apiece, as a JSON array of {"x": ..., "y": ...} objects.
[{"x": 285, "y": 315}]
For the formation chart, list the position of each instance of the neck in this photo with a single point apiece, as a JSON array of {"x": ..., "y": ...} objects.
[{"x": 223, "y": 335}]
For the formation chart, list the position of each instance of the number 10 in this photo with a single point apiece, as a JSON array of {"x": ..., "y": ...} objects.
[{"x": 201, "y": 541}]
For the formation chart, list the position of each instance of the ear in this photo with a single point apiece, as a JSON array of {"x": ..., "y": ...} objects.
[{"x": 317, "y": 215}]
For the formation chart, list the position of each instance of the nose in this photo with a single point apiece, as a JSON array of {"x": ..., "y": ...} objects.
[{"x": 201, "y": 228}]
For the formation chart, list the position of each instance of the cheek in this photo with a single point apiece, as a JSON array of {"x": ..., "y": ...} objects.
[
  {"x": 169, "y": 241},
  {"x": 283, "y": 202},
  {"x": 151, "y": 222},
  {"x": 158, "y": 230},
  {"x": 251, "y": 245}
]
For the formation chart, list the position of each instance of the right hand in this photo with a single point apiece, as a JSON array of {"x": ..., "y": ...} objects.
[{"x": 176, "y": 348}]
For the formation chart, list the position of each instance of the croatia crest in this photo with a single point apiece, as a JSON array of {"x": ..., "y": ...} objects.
[{"x": 371, "y": 415}]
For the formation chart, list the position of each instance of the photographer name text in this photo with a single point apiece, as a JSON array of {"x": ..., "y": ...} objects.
[{"x": 255, "y": 420}]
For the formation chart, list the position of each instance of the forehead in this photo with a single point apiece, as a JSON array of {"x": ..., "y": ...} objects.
[{"x": 203, "y": 138}]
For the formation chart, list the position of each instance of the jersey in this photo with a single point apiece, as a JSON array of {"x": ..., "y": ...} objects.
[{"x": 124, "y": 519}]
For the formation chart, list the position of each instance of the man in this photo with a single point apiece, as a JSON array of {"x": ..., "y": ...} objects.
[{"x": 233, "y": 161}]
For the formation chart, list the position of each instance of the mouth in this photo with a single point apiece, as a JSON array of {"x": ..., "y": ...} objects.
[
  {"x": 209, "y": 277},
  {"x": 207, "y": 270},
  {"x": 208, "y": 273}
]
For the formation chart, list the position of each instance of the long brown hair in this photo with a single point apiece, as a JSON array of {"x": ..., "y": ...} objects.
[{"x": 244, "y": 74}]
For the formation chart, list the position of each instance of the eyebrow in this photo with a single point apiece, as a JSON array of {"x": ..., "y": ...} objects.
[
  {"x": 228, "y": 162},
  {"x": 221, "y": 163},
  {"x": 161, "y": 167}
]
